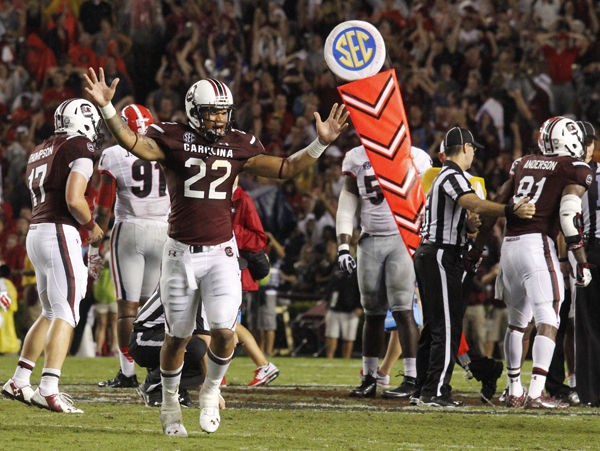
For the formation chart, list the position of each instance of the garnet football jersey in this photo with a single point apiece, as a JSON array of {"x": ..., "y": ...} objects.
[
  {"x": 200, "y": 176},
  {"x": 543, "y": 179},
  {"x": 48, "y": 169},
  {"x": 141, "y": 185}
]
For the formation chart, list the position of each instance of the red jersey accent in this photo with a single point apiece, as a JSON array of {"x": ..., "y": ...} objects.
[
  {"x": 543, "y": 179},
  {"x": 108, "y": 191},
  {"x": 560, "y": 64},
  {"x": 200, "y": 176},
  {"x": 249, "y": 232},
  {"x": 48, "y": 169}
]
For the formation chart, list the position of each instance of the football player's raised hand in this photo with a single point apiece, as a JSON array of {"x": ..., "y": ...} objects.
[
  {"x": 97, "y": 88},
  {"x": 524, "y": 209},
  {"x": 334, "y": 125}
]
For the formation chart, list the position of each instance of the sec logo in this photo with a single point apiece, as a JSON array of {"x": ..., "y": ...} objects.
[{"x": 354, "y": 50}]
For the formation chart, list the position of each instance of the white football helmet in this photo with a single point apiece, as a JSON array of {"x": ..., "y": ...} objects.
[
  {"x": 208, "y": 94},
  {"x": 560, "y": 136},
  {"x": 78, "y": 117}
]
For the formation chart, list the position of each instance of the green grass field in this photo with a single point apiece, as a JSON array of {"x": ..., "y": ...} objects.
[{"x": 306, "y": 408}]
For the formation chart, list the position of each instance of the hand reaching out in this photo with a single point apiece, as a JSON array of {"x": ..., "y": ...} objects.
[
  {"x": 334, "y": 125},
  {"x": 97, "y": 88}
]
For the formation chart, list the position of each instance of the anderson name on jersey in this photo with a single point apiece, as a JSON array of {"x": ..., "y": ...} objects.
[
  {"x": 200, "y": 176},
  {"x": 543, "y": 179},
  {"x": 375, "y": 215},
  {"x": 141, "y": 185}
]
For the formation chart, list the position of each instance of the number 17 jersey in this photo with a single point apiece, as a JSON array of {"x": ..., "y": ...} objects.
[{"x": 141, "y": 186}]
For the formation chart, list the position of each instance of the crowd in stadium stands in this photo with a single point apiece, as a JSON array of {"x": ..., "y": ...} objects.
[{"x": 498, "y": 68}]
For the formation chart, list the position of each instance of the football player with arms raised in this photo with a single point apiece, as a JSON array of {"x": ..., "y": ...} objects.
[
  {"x": 530, "y": 271},
  {"x": 58, "y": 171},
  {"x": 139, "y": 234},
  {"x": 201, "y": 160}
]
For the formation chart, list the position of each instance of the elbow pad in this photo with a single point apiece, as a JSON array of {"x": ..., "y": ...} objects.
[
  {"x": 570, "y": 220},
  {"x": 344, "y": 219}
]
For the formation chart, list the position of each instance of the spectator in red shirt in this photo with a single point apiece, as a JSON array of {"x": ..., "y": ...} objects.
[
  {"x": 57, "y": 93},
  {"x": 560, "y": 60},
  {"x": 81, "y": 53}
]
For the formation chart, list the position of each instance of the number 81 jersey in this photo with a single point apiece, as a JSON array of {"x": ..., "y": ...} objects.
[
  {"x": 141, "y": 186},
  {"x": 200, "y": 176},
  {"x": 542, "y": 179}
]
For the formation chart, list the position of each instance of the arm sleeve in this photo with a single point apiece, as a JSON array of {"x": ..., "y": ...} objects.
[{"x": 84, "y": 166}]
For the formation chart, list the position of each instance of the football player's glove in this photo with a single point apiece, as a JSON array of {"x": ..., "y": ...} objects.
[
  {"x": 346, "y": 262},
  {"x": 5, "y": 300},
  {"x": 472, "y": 260},
  {"x": 583, "y": 274},
  {"x": 95, "y": 262}
]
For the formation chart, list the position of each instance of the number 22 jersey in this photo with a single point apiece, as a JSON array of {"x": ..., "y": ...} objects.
[
  {"x": 543, "y": 179},
  {"x": 200, "y": 176}
]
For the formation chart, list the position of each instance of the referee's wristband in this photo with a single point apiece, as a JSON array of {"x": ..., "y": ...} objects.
[
  {"x": 108, "y": 111},
  {"x": 509, "y": 211},
  {"x": 344, "y": 247},
  {"x": 89, "y": 225}
]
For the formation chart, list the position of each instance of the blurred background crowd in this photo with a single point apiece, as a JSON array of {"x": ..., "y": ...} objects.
[{"x": 499, "y": 68}]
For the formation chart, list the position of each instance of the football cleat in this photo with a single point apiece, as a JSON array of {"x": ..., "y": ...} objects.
[
  {"x": 120, "y": 381},
  {"x": 383, "y": 380},
  {"x": 184, "y": 398},
  {"x": 515, "y": 402},
  {"x": 23, "y": 394},
  {"x": 57, "y": 402},
  {"x": 367, "y": 389},
  {"x": 151, "y": 398},
  {"x": 573, "y": 397},
  {"x": 172, "y": 420},
  {"x": 405, "y": 390},
  {"x": 210, "y": 418},
  {"x": 264, "y": 374},
  {"x": 503, "y": 395},
  {"x": 439, "y": 401},
  {"x": 544, "y": 402}
]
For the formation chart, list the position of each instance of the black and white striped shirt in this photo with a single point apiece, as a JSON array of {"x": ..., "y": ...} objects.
[
  {"x": 445, "y": 220},
  {"x": 591, "y": 205},
  {"x": 152, "y": 316}
]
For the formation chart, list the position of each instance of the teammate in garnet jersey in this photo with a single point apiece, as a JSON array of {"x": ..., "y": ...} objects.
[
  {"x": 201, "y": 161},
  {"x": 139, "y": 233},
  {"x": 58, "y": 171},
  {"x": 531, "y": 276}
]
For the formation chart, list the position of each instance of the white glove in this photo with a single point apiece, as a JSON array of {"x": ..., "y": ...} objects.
[
  {"x": 584, "y": 275},
  {"x": 346, "y": 262},
  {"x": 95, "y": 262},
  {"x": 5, "y": 300}
]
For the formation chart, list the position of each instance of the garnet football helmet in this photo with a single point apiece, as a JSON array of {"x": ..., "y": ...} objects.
[
  {"x": 208, "y": 94},
  {"x": 137, "y": 117},
  {"x": 560, "y": 136},
  {"x": 78, "y": 117}
]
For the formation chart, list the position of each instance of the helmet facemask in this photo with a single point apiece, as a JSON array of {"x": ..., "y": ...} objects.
[{"x": 209, "y": 133}]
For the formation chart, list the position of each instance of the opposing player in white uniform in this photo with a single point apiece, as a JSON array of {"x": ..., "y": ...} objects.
[
  {"x": 138, "y": 235},
  {"x": 386, "y": 277}
]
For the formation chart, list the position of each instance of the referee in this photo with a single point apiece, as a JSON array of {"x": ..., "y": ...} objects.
[{"x": 439, "y": 264}]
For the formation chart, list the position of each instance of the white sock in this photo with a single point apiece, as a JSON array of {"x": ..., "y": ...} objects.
[
  {"x": 127, "y": 363},
  {"x": 170, "y": 385},
  {"x": 513, "y": 350},
  {"x": 216, "y": 367},
  {"x": 370, "y": 365},
  {"x": 572, "y": 381},
  {"x": 49, "y": 382},
  {"x": 543, "y": 349},
  {"x": 22, "y": 376},
  {"x": 410, "y": 367}
]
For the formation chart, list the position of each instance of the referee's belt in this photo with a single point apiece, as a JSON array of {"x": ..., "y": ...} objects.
[{"x": 450, "y": 247}]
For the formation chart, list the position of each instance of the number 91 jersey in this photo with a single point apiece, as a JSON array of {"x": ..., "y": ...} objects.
[
  {"x": 543, "y": 179},
  {"x": 200, "y": 176},
  {"x": 141, "y": 186},
  {"x": 375, "y": 215}
]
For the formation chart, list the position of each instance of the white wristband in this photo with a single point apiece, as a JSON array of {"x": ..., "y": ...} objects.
[
  {"x": 108, "y": 111},
  {"x": 315, "y": 149},
  {"x": 344, "y": 247}
]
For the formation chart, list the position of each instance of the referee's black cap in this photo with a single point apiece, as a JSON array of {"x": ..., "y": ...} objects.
[
  {"x": 458, "y": 136},
  {"x": 589, "y": 132}
]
